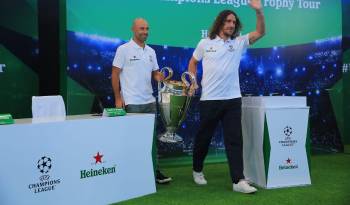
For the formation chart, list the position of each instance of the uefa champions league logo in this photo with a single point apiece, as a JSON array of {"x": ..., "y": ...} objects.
[
  {"x": 288, "y": 131},
  {"x": 44, "y": 165},
  {"x": 288, "y": 141}
]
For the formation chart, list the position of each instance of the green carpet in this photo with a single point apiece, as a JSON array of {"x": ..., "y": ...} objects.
[
  {"x": 330, "y": 186},
  {"x": 347, "y": 149}
]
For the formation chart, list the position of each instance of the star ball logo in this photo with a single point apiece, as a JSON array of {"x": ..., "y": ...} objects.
[
  {"x": 288, "y": 131},
  {"x": 288, "y": 141},
  {"x": 288, "y": 164},
  {"x": 44, "y": 165},
  {"x": 98, "y": 171}
]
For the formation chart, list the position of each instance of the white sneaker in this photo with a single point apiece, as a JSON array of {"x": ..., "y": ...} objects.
[
  {"x": 198, "y": 177},
  {"x": 170, "y": 138},
  {"x": 243, "y": 187}
]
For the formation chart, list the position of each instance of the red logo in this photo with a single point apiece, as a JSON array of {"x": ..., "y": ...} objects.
[
  {"x": 98, "y": 158},
  {"x": 289, "y": 161}
]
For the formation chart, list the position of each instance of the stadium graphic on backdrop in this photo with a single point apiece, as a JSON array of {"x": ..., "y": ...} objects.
[{"x": 298, "y": 70}]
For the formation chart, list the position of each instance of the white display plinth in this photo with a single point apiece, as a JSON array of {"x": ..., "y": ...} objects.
[{"x": 275, "y": 141}]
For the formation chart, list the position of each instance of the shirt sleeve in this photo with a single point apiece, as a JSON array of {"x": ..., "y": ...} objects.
[
  {"x": 244, "y": 41},
  {"x": 199, "y": 51},
  {"x": 119, "y": 58},
  {"x": 155, "y": 62}
]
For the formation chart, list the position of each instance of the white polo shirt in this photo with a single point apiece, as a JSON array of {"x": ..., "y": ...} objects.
[
  {"x": 136, "y": 64},
  {"x": 221, "y": 59}
]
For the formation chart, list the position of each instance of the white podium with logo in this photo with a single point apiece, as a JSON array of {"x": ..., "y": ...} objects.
[
  {"x": 82, "y": 160},
  {"x": 276, "y": 141}
]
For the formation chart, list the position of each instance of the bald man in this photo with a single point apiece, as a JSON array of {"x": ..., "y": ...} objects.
[{"x": 134, "y": 66}]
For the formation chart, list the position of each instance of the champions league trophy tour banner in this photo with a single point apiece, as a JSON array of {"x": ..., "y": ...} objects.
[{"x": 276, "y": 4}]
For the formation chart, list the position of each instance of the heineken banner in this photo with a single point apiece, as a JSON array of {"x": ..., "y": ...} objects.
[
  {"x": 299, "y": 56},
  {"x": 83, "y": 160}
]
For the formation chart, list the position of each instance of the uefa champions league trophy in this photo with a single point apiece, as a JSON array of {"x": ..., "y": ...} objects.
[{"x": 174, "y": 101}]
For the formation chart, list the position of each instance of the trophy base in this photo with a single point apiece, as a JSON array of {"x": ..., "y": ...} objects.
[{"x": 170, "y": 137}]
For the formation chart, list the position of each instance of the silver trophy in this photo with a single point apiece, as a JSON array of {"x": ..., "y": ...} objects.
[{"x": 174, "y": 101}]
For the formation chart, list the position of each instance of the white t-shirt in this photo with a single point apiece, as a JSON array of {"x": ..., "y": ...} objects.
[
  {"x": 136, "y": 64},
  {"x": 221, "y": 59}
]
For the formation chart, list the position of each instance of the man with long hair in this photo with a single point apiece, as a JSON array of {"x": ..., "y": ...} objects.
[{"x": 221, "y": 95}]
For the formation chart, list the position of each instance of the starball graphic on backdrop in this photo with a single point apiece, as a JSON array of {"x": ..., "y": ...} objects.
[{"x": 276, "y": 4}]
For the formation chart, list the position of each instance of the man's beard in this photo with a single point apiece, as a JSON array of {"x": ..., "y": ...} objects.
[
  {"x": 228, "y": 33},
  {"x": 143, "y": 37},
  {"x": 140, "y": 38}
]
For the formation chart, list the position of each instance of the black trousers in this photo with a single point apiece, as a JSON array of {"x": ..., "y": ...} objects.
[{"x": 228, "y": 112}]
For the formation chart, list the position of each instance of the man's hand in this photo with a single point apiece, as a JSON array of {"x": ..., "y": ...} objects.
[
  {"x": 119, "y": 103},
  {"x": 256, "y": 4},
  {"x": 192, "y": 89},
  {"x": 260, "y": 22},
  {"x": 158, "y": 76}
]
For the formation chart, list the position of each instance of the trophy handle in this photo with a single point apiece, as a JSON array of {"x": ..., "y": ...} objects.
[
  {"x": 170, "y": 73},
  {"x": 167, "y": 78},
  {"x": 188, "y": 84},
  {"x": 192, "y": 79}
]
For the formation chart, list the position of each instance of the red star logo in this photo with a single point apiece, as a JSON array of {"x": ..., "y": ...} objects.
[
  {"x": 289, "y": 161},
  {"x": 98, "y": 158}
]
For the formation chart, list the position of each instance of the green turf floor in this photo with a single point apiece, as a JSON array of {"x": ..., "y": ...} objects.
[{"x": 330, "y": 176}]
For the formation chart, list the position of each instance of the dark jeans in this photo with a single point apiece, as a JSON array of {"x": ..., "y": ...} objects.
[
  {"x": 144, "y": 108},
  {"x": 228, "y": 112}
]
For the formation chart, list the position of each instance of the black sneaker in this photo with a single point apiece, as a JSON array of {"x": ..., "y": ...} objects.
[{"x": 161, "y": 179}]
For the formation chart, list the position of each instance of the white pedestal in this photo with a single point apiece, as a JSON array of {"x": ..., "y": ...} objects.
[{"x": 275, "y": 141}]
